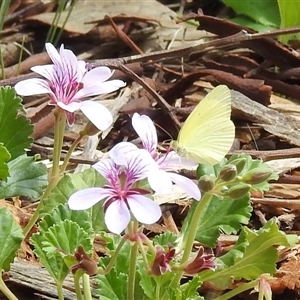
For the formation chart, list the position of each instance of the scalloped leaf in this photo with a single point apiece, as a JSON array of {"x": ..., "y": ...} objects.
[
  {"x": 11, "y": 236},
  {"x": 15, "y": 129},
  {"x": 66, "y": 236},
  {"x": 4, "y": 158},
  {"x": 63, "y": 212},
  {"x": 27, "y": 178},
  {"x": 55, "y": 265},
  {"x": 58, "y": 241}
]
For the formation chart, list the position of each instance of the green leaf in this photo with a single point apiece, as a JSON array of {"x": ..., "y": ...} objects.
[
  {"x": 165, "y": 239},
  {"x": 63, "y": 212},
  {"x": 72, "y": 183},
  {"x": 290, "y": 16},
  {"x": 11, "y": 236},
  {"x": 66, "y": 236},
  {"x": 15, "y": 129},
  {"x": 27, "y": 178},
  {"x": 250, "y": 23},
  {"x": 108, "y": 289},
  {"x": 226, "y": 215},
  {"x": 265, "y": 12},
  {"x": 4, "y": 158},
  {"x": 190, "y": 289},
  {"x": 54, "y": 264},
  {"x": 253, "y": 255},
  {"x": 58, "y": 241}
]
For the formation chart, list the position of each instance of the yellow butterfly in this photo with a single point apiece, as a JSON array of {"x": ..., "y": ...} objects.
[{"x": 208, "y": 133}]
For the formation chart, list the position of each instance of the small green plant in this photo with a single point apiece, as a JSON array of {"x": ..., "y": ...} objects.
[{"x": 115, "y": 196}]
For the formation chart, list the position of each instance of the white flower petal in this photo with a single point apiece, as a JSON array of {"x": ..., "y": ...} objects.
[
  {"x": 86, "y": 198},
  {"x": 33, "y": 86},
  {"x": 117, "y": 216},
  {"x": 105, "y": 167},
  {"x": 144, "y": 209},
  {"x": 139, "y": 165},
  {"x": 160, "y": 181},
  {"x": 145, "y": 129},
  {"x": 98, "y": 114},
  {"x": 53, "y": 53},
  {"x": 187, "y": 185},
  {"x": 120, "y": 152},
  {"x": 99, "y": 88},
  {"x": 71, "y": 107},
  {"x": 97, "y": 76},
  {"x": 46, "y": 71}
]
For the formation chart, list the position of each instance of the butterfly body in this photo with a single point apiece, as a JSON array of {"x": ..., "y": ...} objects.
[{"x": 208, "y": 133}]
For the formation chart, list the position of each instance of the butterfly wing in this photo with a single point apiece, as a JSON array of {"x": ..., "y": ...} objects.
[{"x": 208, "y": 133}]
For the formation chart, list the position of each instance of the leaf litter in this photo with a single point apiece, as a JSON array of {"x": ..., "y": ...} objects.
[{"x": 169, "y": 65}]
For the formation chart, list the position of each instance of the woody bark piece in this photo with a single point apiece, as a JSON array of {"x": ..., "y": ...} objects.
[
  {"x": 277, "y": 53},
  {"x": 30, "y": 275},
  {"x": 272, "y": 121}
]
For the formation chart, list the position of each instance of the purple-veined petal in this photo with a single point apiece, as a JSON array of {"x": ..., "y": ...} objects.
[
  {"x": 139, "y": 165},
  {"x": 71, "y": 107},
  {"x": 86, "y": 198},
  {"x": 46, "y": 71},
  {"x": 69, "y": 64},
  {"x": 99, "y": 88},
  {"x": 145, "y": 129},
  {"x": 53, "y": 53},
  {"x": 117, "y": 216},
  {"x": 172, "y": 161},
  {"x": 82, "y": 69},
  {"x": 187, "y": 185},
  {"x": 98, "y": 114},
  {"x": 107, "y": 168},
  {"x": 120, "y": 152},
  {"x": 160, "y": 181},
  {"x": 33, "y": 86},
  {"x": 144, "y": 209},
  {"x": 97, "y": 76}
]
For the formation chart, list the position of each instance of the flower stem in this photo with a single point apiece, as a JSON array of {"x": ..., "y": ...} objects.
[
  {"x": 242, "y": 288},
  {"x": 6, "y": 291},
  {"x": 59, "y": 128},
  {"x": 68, "y": 155},
  {"x": 77, "y": 287},
  {"x": 86, "y": 287},
  {"x": 191, "y": 236},
  {"x": 132, "y": 271},
  {"x": 60, "y": 293},
  {"x": 113, "y": 259}
]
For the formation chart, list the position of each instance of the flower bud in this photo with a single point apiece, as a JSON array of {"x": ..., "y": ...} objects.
[
  {"x": 238, "y": 191},
  {"x": 257, "y": 176},
  {"x": 228, "y": 172},
  {"x": 204, "y": 170},
  {"x": 200, "y": 263},
  {"x": 206, "y": 183},
  {"x": 239, "y": 163},
  {"x": 88, "y": 265}
]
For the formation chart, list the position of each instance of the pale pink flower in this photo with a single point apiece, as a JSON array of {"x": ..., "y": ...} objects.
[
  {"x": 121, "y": 195},
  {"x": 68, "y": 81},
  {"x": 160, "y": 179}
]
